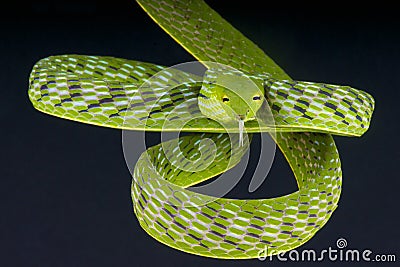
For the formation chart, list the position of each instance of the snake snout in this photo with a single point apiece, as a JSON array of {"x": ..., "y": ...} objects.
[{"x": 241, "y": 117}]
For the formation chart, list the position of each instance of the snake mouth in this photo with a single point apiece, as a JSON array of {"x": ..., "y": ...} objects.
[
  {"x": 241, "y": 117},
  {"x": 244, "y": 118}
]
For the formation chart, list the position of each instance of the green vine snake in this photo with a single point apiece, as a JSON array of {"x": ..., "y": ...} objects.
[{"x": 105, "y": 91}]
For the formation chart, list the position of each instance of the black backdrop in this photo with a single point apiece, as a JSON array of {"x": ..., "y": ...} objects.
[{"x": 65, "y": 188}]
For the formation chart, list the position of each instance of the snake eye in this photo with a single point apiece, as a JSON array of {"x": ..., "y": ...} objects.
[
  {"x": 256, "y": 97},
  {"x": 225, "y": 99}
]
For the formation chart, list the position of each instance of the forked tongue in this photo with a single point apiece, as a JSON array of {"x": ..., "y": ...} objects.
[{"x": 241, "y": 128}]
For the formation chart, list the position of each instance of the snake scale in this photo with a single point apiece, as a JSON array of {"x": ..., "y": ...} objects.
[{"x": 114, "y": 92}]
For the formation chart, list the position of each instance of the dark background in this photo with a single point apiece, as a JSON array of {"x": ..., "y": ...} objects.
[{"x": 65, "y": 188}]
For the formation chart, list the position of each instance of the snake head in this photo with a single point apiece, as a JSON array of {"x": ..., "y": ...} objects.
[
  {"x": 240, "y": 104},
  {"x": 229, "y": 96}
]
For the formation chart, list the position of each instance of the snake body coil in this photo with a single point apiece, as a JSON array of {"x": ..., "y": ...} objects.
[{"x": 112, "y": 92}]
